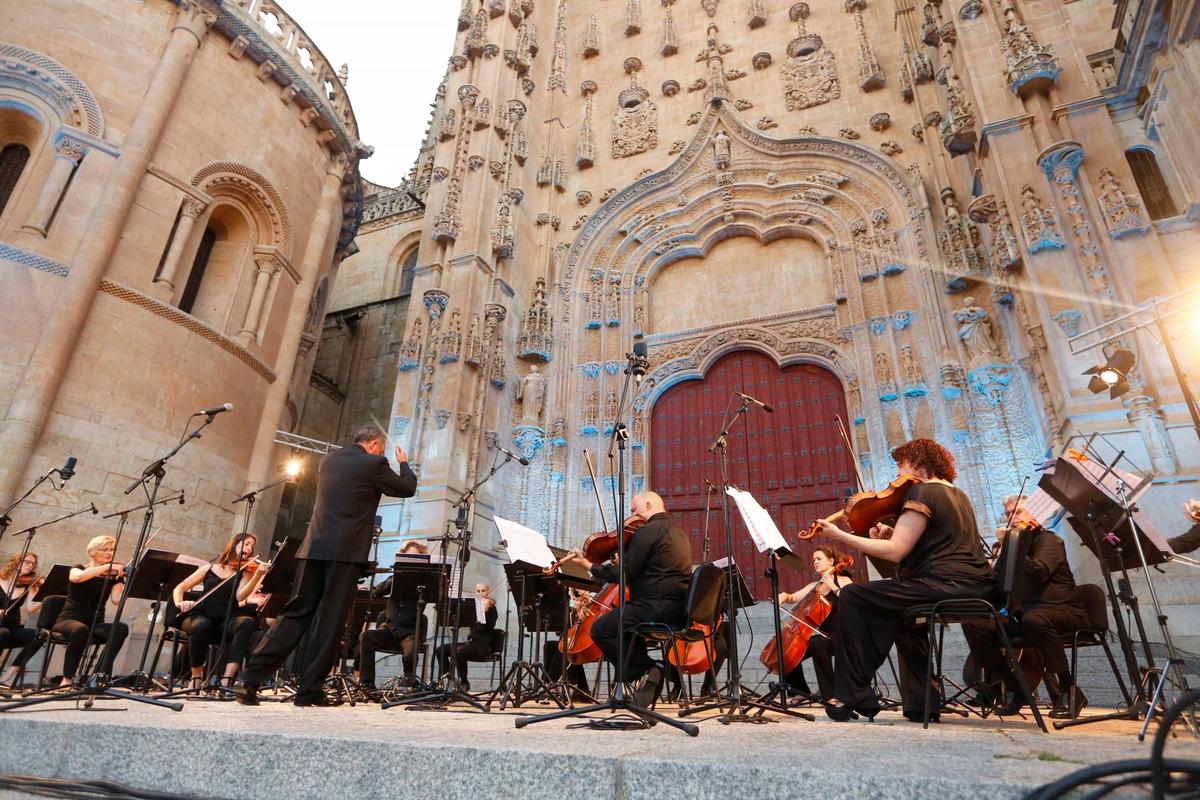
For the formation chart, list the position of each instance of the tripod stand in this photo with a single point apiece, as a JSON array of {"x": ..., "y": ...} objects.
[
  {"x": 618, "y": 702},
  {"x": 526, "y": 679},
  {"x": 450, "y": 689}
]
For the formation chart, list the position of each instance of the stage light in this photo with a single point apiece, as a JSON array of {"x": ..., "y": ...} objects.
[
  {"x": 293, "y": 468},
  {"x": 1113, "y": 375}
]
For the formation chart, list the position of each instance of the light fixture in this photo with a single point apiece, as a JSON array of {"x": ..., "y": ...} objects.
[
  {"x": 1113, "y": 375},
  {"x": 293, "y": 468}
]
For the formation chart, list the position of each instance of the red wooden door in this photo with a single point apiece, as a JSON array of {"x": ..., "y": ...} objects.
[{"x": 793, "y": 461}]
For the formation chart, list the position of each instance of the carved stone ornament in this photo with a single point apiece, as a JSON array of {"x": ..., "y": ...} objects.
[
  {"x": 1005, "y": 252},
  {"x": 891, "y": 147},
  {"x": 975, "y": 333},
  {"x": 810, "y": 76},
  {"x": 536, "y": 339},
  {"x": 959, "y": 240},
  {"x": 1122, "y": 211},
  {"x": 451, "y": 339},
  {"x": 670, "y": 37},
  {"x": 585, "y": 147},
  {"x": 670, "y": 88},
  {"x": 881, "y": 121},
  {"x": 958, "y": 129},
  {"x": 591, "y": 37},
  {"x": 1032, "y": 67},
  {"x": 766, "y": 123},
  {"x": 635, "y": 125},
  {"x": 1038, "y": 223},
  {"x": 410, "y": 353},
  {"x": 583, "y": 197},
  {"x": 870, "y": 73},
  {"x": 971, "y": 9},
  {"x": 761, "y": 60}
]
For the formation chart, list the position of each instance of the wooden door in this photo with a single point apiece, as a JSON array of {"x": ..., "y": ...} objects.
[{"x": 792, "y": 460}]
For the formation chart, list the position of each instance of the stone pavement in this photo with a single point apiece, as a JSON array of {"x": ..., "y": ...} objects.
[{"x": 221, "y": 750}]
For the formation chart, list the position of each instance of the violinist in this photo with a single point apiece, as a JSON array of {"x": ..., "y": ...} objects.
[
  {"x": 17, "y": 588},
  {"x": 1049, "y": 609},
  {"x": 206, "y": 616},
  {"x": 935, "y": 546},
  {"x": 658, "y": 571},
  {"x": 1189, "y": 540},
  {"x": 829, "y": 584},
  {"x": 482, "y": 642},
  {"x": 86, "y": 592}
]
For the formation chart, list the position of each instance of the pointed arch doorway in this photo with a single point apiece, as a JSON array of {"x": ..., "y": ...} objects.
[{"x": 793, "y": 460}]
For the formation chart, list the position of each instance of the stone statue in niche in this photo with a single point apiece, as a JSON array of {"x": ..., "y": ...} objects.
[
  {"x": 722, "y": 149},
  {"x": 975, "y": 332},
  {"x": 532, "y": 395}
]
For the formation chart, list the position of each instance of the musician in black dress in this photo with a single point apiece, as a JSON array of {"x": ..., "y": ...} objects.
[
  {"x": 89, "y": 586},
  {"x": 401, "y": 628},
  {"x": 1050, "y": 608},
  {"x": 19, "y": 582},
  {"x": 335, "y": 551},
  {"x": 938, "y": 556},
  {"x": 204, "y": 618},
  {"x": 658, "y": 571},
  {"x": 482, "y": 643},
  {"x": 829, "y": 584}
]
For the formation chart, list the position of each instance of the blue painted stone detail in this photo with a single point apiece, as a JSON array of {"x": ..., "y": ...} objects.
[
  {"x": 893, "y": 268},
  {"x": 991, "y": 381},
  {"x": 529, "y": 439},
  {"x": 888, "y": 394},
  {"x": 612, "y": 367},
  {"x": 639, "y": 445},
  {"x": 559, "y": 441},
  {"x": 587, "y": 483},
  {"x": 1047, "y": 242},
  {"x": 956, "y": 285},
  {"x": 590, "y": 430},
  {"x": 533, "y": 351},
  {"x": 557, "y": 479},
  {"x": 614, "y": 322},
  {"x": 609, "y": 482},
  {"x": 859, "y": 420},
  {"x": 1043, "y": 72},
  {"x": 407, "y": 364},
  {"x": 592, "y": 323},
  {"x": 961, "y": 437},
  {"x": 916, "y": 390},
  {"x": 951, "y": 392},
  {"x": 877, "y": 325},
  {"x": 591, "y": 369},
  {"x": 25, "y": 258},
  {"x": 902, "y": 319},
  {"x": 447, "y": 358}
]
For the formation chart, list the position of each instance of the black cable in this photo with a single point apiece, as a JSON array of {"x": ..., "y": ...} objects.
[{"x": 104, "y": 790}]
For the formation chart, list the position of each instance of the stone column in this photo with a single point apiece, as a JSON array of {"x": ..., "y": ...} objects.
[
  {"x": 39, "y": 384},
  {"x": 329, "y": 210},
  {"x": 69, "y": 152},
  {"x": 267, "y": 267},
  {"x": 164, "y": 284}
]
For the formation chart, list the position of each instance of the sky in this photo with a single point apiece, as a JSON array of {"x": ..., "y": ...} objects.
[{"x": 397, "y": 51}]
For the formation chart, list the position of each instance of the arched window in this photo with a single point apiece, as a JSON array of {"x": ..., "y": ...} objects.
[
  {"x": 406, "y": 272},
  {"x": 1151, "y": 184},
  {"x": 13, "y": 159},
  {"x": 188, "y": 301}
]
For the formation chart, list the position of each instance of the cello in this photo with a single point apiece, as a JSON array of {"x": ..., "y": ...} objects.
[
  {"x": 806, "y": 618},
  {"x": 693, "y": 658}
]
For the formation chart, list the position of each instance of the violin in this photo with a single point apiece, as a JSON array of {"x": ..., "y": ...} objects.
[
  {"x": 865, "y": 510},
  {"x": 602, "y": 545},
  {"x": 806, "y": 618}
]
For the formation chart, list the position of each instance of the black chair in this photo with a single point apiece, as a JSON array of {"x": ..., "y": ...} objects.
[
  {"x": 1095, "y": 604},
  {"x": 51, "y": 608},
  {"x": 705, "y": 599},
  {"x": 1010, "y": 580}
]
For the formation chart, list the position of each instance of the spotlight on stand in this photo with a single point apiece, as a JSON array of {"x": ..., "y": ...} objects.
[{"x": 1113, "y": 375}]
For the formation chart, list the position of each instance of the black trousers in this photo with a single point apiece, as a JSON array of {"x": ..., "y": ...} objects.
[
  {"x": 870, "y": 620},
  {"x": 204, "y": 631},
  {"x": 77, "y": 642},
  {"x": 1041, "y": 627},
  {"x": 820, "y": 652},
  {"x": 322, "y": 591},
  {"x": 24, "y": 638},
  {"x": 471, "y": 650},
  {"x": 552, "y": 660},
  {"x": 668, "y": 610},
  {"x": 386, "y": 639}
]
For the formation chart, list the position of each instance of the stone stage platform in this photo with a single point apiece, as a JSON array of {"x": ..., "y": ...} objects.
[{"x": 222, "y": 750}]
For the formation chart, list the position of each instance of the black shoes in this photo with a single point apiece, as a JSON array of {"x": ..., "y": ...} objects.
[
  {"x": 647, "y": 691},
  {"x": 317, "y": 700},
  {"x": 1013, "y": 703},
  {"x": 1062, "y": 705},
  {"x": 246, "y": 694}
]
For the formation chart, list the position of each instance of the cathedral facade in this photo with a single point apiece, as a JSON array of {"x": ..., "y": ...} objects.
[{"x": 889, "y": 214}]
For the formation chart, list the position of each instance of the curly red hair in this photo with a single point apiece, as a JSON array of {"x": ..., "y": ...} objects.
[{"x": 927, "y": 456}]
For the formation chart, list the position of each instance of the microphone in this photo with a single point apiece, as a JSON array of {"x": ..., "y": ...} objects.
[
  {"x": 93, "y": 505},
  {"x": 770, "y": 409},
  {"x": 212, "y": 412},
  {"x": 638, "y": 361},
  {"x": 709, "y": 485},
  {"x": 68, "y": 470},
  {"x": 524, "y": 461}
]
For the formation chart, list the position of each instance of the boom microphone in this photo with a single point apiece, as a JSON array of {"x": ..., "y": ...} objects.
[
  {"x": 210, "y": 412},
  {"x": 770, "y": 409},
  {"x": 524, "y": 461},
  {"x": 68, "y": 470},
  {"x": 639, "y": 362}
]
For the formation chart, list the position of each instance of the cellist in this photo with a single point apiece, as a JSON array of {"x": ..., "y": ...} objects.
[
  {"x": 935, "y": 545},
  {"x": 829, "y": 584}
]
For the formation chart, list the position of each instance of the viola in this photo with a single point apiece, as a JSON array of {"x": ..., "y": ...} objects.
[
  {"x": 602, "y": 545},
  {"x": 805, "y": 619},
  {"x": 577, "y": 645},
  {"x": 865, "y": 510}
]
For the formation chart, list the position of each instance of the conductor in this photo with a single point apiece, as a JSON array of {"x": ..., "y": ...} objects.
[{"x": 337, "y": 546}]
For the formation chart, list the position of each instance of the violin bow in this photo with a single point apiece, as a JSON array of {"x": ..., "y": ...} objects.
[
  {"x": 587, "y": 459},
  {"x": 841, "y": 426}
]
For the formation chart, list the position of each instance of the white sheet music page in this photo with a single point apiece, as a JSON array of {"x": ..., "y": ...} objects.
[
  {"x": 762, "y": 528},
  {"x": 524, "y": 544}
]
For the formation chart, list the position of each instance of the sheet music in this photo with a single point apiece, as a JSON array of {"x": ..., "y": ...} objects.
[
  {"x": 763, "y": 529},
  {"x": 524, "y": 544},
  {"x": 455, "y": 569}
]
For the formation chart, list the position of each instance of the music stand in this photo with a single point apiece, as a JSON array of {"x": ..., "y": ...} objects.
[
  {"x": 419, "y": 582},
  {"x": 530, "y": 587},
  {"x": 1096, "y": 496},
  {"x": 157, "y": 573},
  {"x": 57, "y": 582}
]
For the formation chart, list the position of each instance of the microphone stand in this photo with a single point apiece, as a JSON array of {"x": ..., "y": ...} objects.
[
  {"x": 6, "y": 520},
  {"x": 452, "y": 688},
  {"x": 618, "y": 702},
  {"x": 736, "y": 705}
]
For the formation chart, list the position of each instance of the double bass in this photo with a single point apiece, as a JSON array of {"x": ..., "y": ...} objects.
[{"x": 806, "y": 618}]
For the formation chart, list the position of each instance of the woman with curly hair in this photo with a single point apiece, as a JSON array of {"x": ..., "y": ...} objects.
[
  {"x": 936, "y": 549},
  {"x": 19, "y": 582}
]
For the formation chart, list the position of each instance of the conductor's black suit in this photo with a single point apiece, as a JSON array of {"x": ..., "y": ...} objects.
[{"x": 338, "y": 543}]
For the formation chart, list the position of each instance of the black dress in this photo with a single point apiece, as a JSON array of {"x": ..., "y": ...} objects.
[
  {"x": 947, "y": 561},
  {"x": 820, "y": 651},
  {"x": 13, "y": 633},
  {"x": 203, "y": 624},
  {"x": 85, "y": 602}
]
